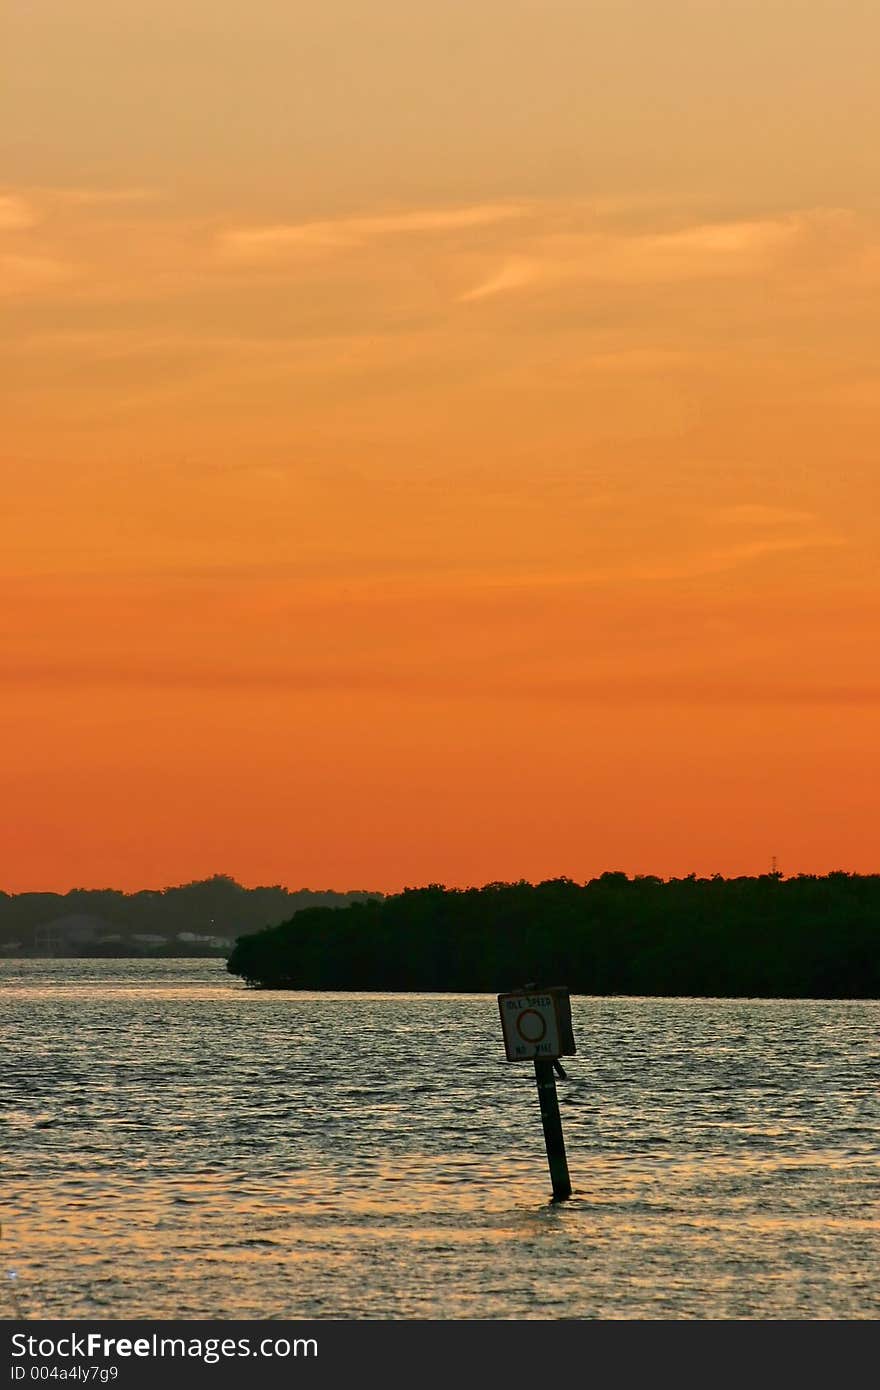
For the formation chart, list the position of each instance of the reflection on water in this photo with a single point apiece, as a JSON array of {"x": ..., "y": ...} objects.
[{"x": 178, "y": 1146}]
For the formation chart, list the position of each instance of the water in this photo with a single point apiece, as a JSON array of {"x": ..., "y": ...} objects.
[{"x": 178, "y": 1146}]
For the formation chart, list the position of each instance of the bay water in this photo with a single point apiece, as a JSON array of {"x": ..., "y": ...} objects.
[{"x": 175, "y": 1145}]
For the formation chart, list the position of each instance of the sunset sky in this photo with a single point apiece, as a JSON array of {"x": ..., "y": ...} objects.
[{"x": 441, "y": 440}]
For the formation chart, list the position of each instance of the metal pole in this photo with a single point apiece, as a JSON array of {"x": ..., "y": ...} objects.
[{"x": 552, "y": 1122}]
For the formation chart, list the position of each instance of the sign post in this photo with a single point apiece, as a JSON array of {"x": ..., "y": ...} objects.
[
  {"x": 536, "y": 1024},
  {"x": 553, "y": 1137}
]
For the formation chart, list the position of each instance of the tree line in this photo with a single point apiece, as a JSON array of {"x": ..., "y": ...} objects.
[
  {"x": 215, "y": 907},
  {"x": 800, "y": 937}
]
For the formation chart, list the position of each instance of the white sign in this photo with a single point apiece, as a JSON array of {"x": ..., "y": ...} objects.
[{"x": 530, "y": 1026}]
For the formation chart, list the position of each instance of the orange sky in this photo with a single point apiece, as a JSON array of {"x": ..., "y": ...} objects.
[{"x": 440, "y": 441}]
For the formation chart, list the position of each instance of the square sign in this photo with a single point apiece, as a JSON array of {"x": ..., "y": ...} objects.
[{"x": 536, "y": 1024}]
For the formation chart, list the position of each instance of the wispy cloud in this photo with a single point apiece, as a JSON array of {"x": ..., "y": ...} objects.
[
  {"x": 31, "y": 274},
  {"x": 757, "y": 514},
  {"x": 729, "y": 556},
  {"x": 40, "y": 261},
  {"x": 96, "y": 197},
  {"x": 253, "y": 243},
  {"x": 692, "y": 253},
  {"x": 16, "y": 214},
  {"x": 715, "y": 560},
  {"x": 396, "y": 679}
]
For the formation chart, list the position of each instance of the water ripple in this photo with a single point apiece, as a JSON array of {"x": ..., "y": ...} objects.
[{"x": 178, "y": 1146}]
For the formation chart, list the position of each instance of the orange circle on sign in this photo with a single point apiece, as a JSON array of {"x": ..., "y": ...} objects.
[{"x": 542, "y": 1024}]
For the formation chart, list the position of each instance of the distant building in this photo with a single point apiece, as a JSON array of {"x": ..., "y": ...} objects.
[
  {"x": 64, "y": 936},
  {"x": 192, "y": 938}
]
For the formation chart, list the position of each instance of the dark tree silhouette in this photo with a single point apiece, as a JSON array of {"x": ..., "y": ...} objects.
[{"x": 807, "y": 937}]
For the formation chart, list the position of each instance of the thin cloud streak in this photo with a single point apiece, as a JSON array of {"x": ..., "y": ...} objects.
[
  {"x": 336, "y": 577},
  {"x": 31, "y": 274},
  {"x": 98, "y": 197},
  {"x": 758, "y": 514},
  {"x": 254, "y": 243},
  {"x": 373, "y": 580},
  {"x": 637, "y": 688},
  {"x": 16, "y": 214},
  {"x": 705, "y": 251}
]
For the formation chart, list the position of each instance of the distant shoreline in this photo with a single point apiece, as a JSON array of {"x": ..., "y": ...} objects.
[
  {"x": 256, "y": 988},
  {"x": 202, "y": 918},
  {"x": 116, "y": 955}
]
